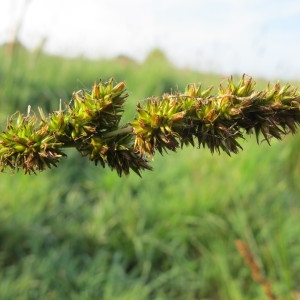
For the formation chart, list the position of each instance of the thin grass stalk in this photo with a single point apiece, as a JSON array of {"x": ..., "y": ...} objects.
[{"x": 256, "y": 271}]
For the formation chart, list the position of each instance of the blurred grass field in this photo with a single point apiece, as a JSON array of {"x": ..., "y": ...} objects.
[{"x": 81, "y": 232}]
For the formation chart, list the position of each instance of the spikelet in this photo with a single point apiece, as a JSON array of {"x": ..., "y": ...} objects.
[{"x": 27, "y": 146}]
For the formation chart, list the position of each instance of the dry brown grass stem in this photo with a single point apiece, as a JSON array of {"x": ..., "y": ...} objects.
[{"x": 257, "y": 273}]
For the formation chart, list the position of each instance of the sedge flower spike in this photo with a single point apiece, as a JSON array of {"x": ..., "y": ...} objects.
[{"x": 90, "y": 123}]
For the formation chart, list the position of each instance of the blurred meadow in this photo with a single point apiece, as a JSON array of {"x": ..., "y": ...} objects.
[{"x": 80, "y": 232}]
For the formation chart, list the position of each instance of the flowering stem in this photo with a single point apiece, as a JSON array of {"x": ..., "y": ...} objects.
[
  {"x": 90, "y": 124},
  {"x": 126, "y": 130}
]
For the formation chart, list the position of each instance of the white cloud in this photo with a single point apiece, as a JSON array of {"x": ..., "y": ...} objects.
[{"x": 257, "y": 37}]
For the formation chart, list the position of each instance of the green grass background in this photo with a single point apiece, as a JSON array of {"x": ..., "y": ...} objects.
[{"x": 81, "y": 232}]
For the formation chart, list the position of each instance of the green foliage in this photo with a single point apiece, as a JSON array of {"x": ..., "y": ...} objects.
[
  {"x": 99, "y": 236},
  {"x": 82, "y": 233}
]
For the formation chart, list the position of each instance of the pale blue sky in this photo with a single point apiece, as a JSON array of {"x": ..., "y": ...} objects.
[{"x": 257, "y": 37}]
